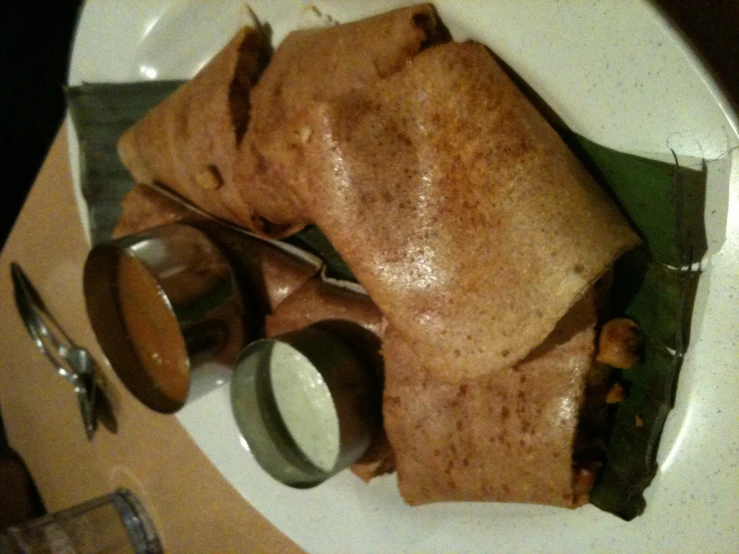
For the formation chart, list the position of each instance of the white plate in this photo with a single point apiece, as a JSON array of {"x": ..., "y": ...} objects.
[{"x": 617, "y": 73}]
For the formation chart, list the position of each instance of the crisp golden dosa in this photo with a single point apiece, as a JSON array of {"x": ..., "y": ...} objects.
[
  {"x": 507, "y": 436},
  {"x": 461, "y": 211},
  {"x": 144, "y": 208},
  {"x": 320, "y": 64},
  {"x": 318, "y": 301},
  {"x": 272, "y": 275},
  {"x": 188, "y": 143},
  {"x": 473, "y": 227},
  {"x": 358, "y": 322}
]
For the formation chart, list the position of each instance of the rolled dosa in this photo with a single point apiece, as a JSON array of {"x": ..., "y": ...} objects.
[
  {"x": 508, "y": 436},
  {"x": 317, "y": 301},
  {"x": 189, "y": 142},
  {"x": 144, "y": 208},
  {"x": 320, "y": 64},
  {"x": 461, "y": 211}
]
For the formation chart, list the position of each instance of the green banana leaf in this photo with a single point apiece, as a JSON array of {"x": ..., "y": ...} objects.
[
  {"x": 314, "y": 241},
  {"x": 101, "y": 112},
  {"x": 654, "y": 284}
]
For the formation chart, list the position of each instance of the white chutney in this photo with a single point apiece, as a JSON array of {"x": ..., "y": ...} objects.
[{"x": 305, "y": 404}]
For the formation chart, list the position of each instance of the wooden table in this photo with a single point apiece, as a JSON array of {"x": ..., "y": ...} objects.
[{"x": 194, "y": 508}]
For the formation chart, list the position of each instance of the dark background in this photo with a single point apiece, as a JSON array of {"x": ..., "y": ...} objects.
[{"x": 35, "y": 44}]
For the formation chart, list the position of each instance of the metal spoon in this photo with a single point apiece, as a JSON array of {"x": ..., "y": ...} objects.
[
  {"x": 71, "y": 361},
  {"x": 87, "y": 388}
]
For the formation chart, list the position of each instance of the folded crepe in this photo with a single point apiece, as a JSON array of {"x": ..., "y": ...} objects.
[
  {"x": 321, "y": 64},
  {"x": 508, "y": 436},
  {"x": 317, "y": 300},
  {"x": 475, "y": 230},
  {"x": 356, "y": 320},
  {"x": 197, "y": 144},
  {"x": 189, "y": 142},
  {"x": 455, "y": 204}
]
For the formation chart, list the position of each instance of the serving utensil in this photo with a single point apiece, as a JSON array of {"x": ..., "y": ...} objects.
[
  {"x": 311, "y": 418},
  {"x": 192, "y": 292},
  {"x": 71, "y": 361}
]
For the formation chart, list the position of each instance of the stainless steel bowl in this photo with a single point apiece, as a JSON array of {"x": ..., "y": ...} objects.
[
  {"x": 346, "y": 389},
  {"x": 189, "y": 301}
]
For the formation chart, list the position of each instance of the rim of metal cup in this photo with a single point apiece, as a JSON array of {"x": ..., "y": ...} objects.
[
  {"x": 138, "y": 524},
  {"x": 101, "y": 296},
  {"x": 54, "y": 527},
  {"x": 353, "y": 389}
]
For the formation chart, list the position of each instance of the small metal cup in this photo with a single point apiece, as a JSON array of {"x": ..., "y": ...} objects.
[
  {"x": 354, "y": 392},
  {"x": 195, "y": 283}
]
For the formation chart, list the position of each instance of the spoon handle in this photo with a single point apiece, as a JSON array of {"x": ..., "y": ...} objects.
[{"x": 30, "y": 304}]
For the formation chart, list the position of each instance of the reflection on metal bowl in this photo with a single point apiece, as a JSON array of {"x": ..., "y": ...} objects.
[{"x": 167, "y": 311}]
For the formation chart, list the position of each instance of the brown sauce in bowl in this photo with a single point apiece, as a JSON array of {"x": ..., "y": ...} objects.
[{"x": 153, "y": 329}]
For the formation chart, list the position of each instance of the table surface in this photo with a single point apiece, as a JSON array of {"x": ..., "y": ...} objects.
[{"x": 194, "y": 508}]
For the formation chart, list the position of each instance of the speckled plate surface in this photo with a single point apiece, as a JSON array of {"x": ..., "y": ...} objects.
[{"x": 615, "y": 72}]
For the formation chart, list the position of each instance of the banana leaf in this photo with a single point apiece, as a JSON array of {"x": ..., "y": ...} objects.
[
  {"x": 101, "y": 112},
  {"x": 654, "y": 284},
  {"x": 314, "y": 241}
]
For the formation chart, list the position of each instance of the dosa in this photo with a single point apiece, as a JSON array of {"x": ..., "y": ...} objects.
[
  {"x": 508, "y": 436},
  {"x": 477, "y": 233},
  {"x": 203, "y": 142},
  {"x": 475, "y": 230},
  {"x": 470, "y": 223},
  {"x": 320, "y": 64},
  {"x": 189, "y": 142}
]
